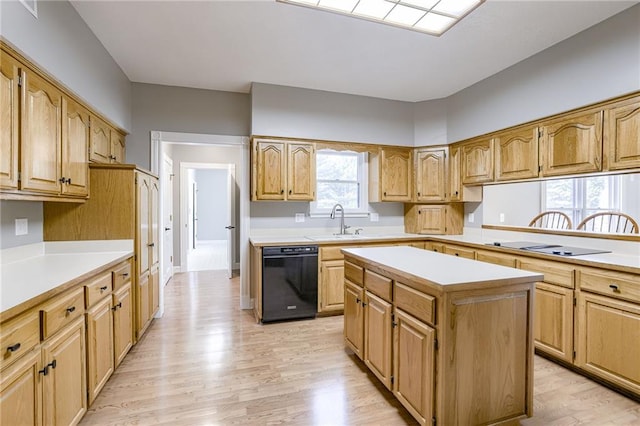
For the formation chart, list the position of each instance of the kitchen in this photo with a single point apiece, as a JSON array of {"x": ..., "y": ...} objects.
[{"x": 441, "y": 121}]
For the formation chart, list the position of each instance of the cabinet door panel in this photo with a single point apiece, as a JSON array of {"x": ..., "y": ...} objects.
[
  {"x": 553, "y": 321},
  {"x": 143, "y": 305},
  {"x": 431, "y": 175},
  {"x": 100, "y": 347},
  {"x": 122, "y": 323},
  {"x": 377, "y": 337},
  {"x": 477, "y": 162},
  {"x": 623, "y": 126},
  {"x": 331, "y": 286},
  {"x": 143, "y": 211},
  {"x": 117, "y": 147},
  {"x": 21, "y": 392},
  {"x": 154, "y": 288},
  {"x": 100, "y": 140},
  {"x": 432, "y": 219},
  {"x": 153, "y": 221},
  {"x": 414, "y": 365},
  {"x": 301, "y": 166},
  {"x": 573, "y": 145},
  {"x": 75, "y": 142},
  {"x": 353, "y": 317},
  {"x": 516, "y": 154},
  {"x": 9, "y": 112},
  {"x": 269, "y": 172},
  {"x": 41, "y": 136},
  {"x": 396, "y": 174}
]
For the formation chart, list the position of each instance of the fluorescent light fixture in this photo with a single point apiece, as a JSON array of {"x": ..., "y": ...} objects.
[{"x": 433, "y": 17}]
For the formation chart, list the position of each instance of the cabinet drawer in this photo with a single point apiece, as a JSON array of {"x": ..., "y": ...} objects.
[
  {"x": 613, "y": 284},
  {"x": 18, "y": 336},
  {"x": 378, "y": 285},
  {"x": 331, "y": 253},
  {"x": 353, "y": 273},
  {"x": 60, "y": 311},
  {"x": 554, "y": 273},
  {"x": 418, "y": 304},
  {"x": 496, "y": 258},
  {"x": 460, "y": 252},
  {"x": 121, "y": 275},
  {"x": 98, "y": 288}
]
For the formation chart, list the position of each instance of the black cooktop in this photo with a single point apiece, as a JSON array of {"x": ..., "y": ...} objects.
[{"x": 556, "y": 249}]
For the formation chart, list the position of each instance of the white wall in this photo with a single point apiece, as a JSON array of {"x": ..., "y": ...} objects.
[
  {"x": 313, "y": 114},
  {"x": 599, "y": 63},
  {"x": 519, "y": 202},
  {"x": 430, "y": 122},
  {"x": 12, "y": 210},
  {"x": 60, "y": 42}
]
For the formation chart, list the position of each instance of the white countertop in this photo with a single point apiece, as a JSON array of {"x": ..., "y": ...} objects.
[
  {"x": 441, "y": 269},
  {"x": 29, "y": 271}
]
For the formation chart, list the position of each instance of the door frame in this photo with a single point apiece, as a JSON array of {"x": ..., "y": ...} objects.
[
  {"x": 165, "y": 276},
  {"x": 243, "y": 178}
]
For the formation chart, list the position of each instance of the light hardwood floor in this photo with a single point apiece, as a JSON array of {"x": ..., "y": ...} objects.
[{"x": 206, "y": 362}]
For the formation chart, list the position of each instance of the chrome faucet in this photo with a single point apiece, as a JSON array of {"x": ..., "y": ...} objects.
[{"x": 343, "y": 227}]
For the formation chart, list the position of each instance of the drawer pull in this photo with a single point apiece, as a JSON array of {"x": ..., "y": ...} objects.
[
  {"x": 151, "y": 244},
  {"x": 115, "y": 307},
  {"x": 358, "y": 300},
  {"x": 125, "y": 274},
  {"x": 103, "y": 288},
  {"x": 14, "y": 348},
  {"x": 71, "y": 309},
  {"x": 45, "y": 370},
  {"x": 457, "y": 254},
  {"x": 614, "y": 287}
]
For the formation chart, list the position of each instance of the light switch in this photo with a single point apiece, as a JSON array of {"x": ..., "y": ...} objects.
[
  {"x": 374, "y": 217},
  {"x": 472, "y": 217},
  {"x": 299, "y": 217},
  {"x": 501, "y": 217},
  {"x": 22, "y": 226}
]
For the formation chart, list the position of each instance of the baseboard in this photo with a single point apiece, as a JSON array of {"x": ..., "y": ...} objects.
[
  {"x": 177, "y": 269},
  {"x": 246, "y": 302},
  {"x": 236, "y": 265}
]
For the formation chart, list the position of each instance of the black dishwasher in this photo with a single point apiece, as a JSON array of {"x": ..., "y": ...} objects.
[{"x": 289, "y": 282}]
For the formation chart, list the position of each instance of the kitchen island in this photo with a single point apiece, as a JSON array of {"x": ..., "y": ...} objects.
[{"x": 452, "y": 338}]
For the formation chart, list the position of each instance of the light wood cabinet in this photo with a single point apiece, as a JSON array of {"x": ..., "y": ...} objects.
[
  {"x": 283, "y": 170},
  {"x": 21, "y": 391},
  {"x": 65, "y": 386},
  {"x": 431, "y": 175},
  {"x": 414, "y": 366},
  {"x": 496, "y": 258},
  {"x": 10, "y": 74},
  {"x": 516, "y": 154},
  {"x": 107, "y": 145},
  {"x": 122, "y": 323},
  {"x": 458, "y": 251},
  {"x": 354, "y": 317},
  {"x": 118, "y": 147},
  {"x": 572, "y": 144},
  {"x": 100, "y": 358},
  {"x": 434, "y": 219},
  {"x": 75, "y": 139},
  {"x": 377, "y": 337},
  {"x": 391, "y": 175},
  {"x": 622, "y": 135},
  {"x": 457, "y": 191},
  {"x": 477, "y": 161},
  {"x": 331, "y": 286}
]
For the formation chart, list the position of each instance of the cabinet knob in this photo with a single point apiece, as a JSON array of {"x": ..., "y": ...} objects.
[
  {"x": 384, "y": 193},
  {"x": 418, "y": 194},
  {"x": 125, "y": 274},
  {"x": 290, "y": 192},
  {"x": 282, "y": 191},
  {"x": 71, "y": 309},
  {"x": 614, "y": 287},
  {"x": 62, "y": 180},
  {"x": 151, "y": 244},
  {"x": 14, "y": 348},
  {"x": 357, "y": 300},
  {"x": 103, "y": 288},
  {"x": 457, "y": 254},
  {"x": 69, "y": 181}
]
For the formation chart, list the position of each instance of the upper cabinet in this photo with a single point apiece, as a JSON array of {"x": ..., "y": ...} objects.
[
  {"x": 431, "y": 174},
  {"x": 117, "y": 147},
  {"x": 572, "y": 144},
  {"x": 458, "y": 192},
  {"x": 75, "y": 140},
  {"x": 9, "y": 113},
  {"x": 477, "y": 161},
  {"x": 283, "y": 170},
  {"x": 622, "y": 135},
  {"x": 107, "y": 145},
  {"x": 516, "y": 154},
  {"x": 391, "y": 174}
]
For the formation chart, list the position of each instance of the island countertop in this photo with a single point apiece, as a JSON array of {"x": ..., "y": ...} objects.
[{"x": 450, "y": 273}]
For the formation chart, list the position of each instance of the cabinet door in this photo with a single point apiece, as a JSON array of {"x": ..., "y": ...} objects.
[
  {"x": 572, "y": 145},
  {"x": 516, "y": 154},
  {"x": 553, "y": 321},
  {"x": 99, "y": 346},
  {"x": 477, "y": 161},
  {"x": 122, "y": 323},
  {"x": 331, "y": 286},
  {"x": 41, "y": 135},
  {"x": 414, "y": 365},
  {"x": 431, "y": 184},
  {"x": 9, "y": 113},
  {"x": 623, "y": 135},
  {"x": 269, "y": 170},
  {"x": 154, "y": 289},
  {"x": 609, "y": 339},
  {"x": 455, "y": 173},
  {"x": 377, "y": 337},
  {"x": 301, "y": 166},
  {"x": 100, "y": 140},
  {"x": 75, "y": 142},
  {"x": 432, "y": 219},
  {"x": 21, "y": 392},
  {"x": 154, "y": 243},
  {"x": 65, "y": 385},
  {"x": 396, "y": 174},
  {"x": 143, "y": 232},
  {"x": 117, "y": 147},
  {"x": 143, "y": 305},
  {"x": 353, "y": 317}
]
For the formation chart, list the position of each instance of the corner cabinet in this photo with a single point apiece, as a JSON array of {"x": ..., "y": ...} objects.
[
  {"x": 283, "y": 170},
  {"x": 516, "y": 154},
  {"x": 622, "y": 135},
  {"x": 431, "y": 175},
  {"x": 572, "y": 144},
  {"x": 391, "y": 175}
]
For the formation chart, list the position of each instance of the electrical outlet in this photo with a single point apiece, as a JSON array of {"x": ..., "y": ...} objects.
[
  {"x": 299, "y": 217},
  {"x": 501, "y": 217},
  {"x": 472, "y": 217},
  {"x": 374, "y": 217},
  {"x": 22, "y": 226}
]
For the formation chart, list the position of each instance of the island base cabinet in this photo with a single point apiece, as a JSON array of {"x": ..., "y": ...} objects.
[
  {"x": 353, "y": 318},
  {"x": 414, "y": 366},
  {"x": 21, "y": 391},
  {"x": 377, "y": 337},
  {"x": 64, "y": 378},
  {"x": 609, "y": 340},
  {"x": 488, "y": 356},
  {"x": 553, "y": 321}
]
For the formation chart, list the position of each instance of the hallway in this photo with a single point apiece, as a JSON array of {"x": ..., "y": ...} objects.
[{"x": 207, "y": 362}]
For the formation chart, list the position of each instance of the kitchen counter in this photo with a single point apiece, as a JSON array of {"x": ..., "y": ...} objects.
[{"x": 31, "y": 274}]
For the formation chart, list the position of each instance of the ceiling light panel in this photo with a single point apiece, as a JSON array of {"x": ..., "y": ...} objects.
[{"x": 428, "y": 16}]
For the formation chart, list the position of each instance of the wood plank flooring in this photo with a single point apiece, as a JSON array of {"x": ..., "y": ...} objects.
[{"x": 207, "y": 362}]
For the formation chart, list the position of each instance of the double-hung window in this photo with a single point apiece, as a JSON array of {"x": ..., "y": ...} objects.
[{"x": 341, "y": 178}]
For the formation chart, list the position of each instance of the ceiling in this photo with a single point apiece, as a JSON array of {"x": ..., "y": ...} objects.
[{"x": 227, "y": 45}]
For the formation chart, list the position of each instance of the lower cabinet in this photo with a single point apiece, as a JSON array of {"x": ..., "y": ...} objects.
[
  {"x": 460, "y": 252},
  {"x": 354, "y": 318},
  {"x": 99, "y": 346},
  {"x": 122, "y": 323},
  {"x": 331, "y": 297},
  {"x": 553, "y": 321},
  {"x": 414, "y": 365},
  {"x": 21, "y": 391},
  {"x": 143, "y": 308},
  {"x": 377, "y": 337}
]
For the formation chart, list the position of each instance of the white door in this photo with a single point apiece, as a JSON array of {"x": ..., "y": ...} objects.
[
  {"x": 167, "y": 218},
  {"x": 231, "y": 218}
]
